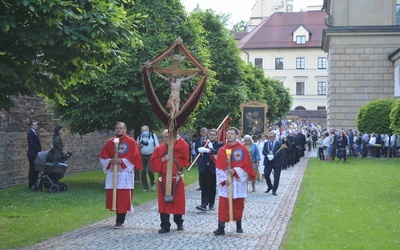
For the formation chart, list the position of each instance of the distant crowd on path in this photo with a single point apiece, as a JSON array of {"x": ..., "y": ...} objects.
[{"x": 343, "y": 143}]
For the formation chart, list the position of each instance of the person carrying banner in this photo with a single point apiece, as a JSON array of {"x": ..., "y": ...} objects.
[{"x": 158, "y": 161}]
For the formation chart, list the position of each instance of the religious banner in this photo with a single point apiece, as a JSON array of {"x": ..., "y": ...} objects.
[
  {"x": 254, "y": 118},
  {"x": 175, "y": 54},
  {"x": 168, "y": 66}
]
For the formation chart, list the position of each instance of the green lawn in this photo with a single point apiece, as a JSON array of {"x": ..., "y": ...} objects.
[
  {"x": 28, "y": 217},
  {"x": 354, "y": 205},
  {"x": 341, "y": 206}
]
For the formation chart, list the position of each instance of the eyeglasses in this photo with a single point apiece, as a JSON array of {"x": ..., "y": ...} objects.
[{"x": 212, "y": 134}]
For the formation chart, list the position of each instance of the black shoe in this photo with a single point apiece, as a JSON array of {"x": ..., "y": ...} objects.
[
  {"x": 163, "y": 230},
  {"x": 274, "y": 193},
  {"x": 239, "y": 227},
  {"x": 198, "y": 189},
  {"x": 180, "y": 228},
  {"x": 269, "y": 189},
  {"x": 202, "y": 208},
  {"x": 219, "y": 232},
  {"x": 211, "y": 207}
]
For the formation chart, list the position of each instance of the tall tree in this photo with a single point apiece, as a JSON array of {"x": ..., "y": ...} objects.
[
  {"x": 48, "y": 46},
  {"x": 120, "y": 94},
  {"x": 239, "y": 27},
  {"x": 228, "y": 91},
  {"x": 236, "y": 82}
]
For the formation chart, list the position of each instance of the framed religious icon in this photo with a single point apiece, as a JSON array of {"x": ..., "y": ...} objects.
[{"x": 254, "y": 118}]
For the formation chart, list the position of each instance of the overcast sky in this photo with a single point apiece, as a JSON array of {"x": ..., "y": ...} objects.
[{"x": 239, "y": 9}]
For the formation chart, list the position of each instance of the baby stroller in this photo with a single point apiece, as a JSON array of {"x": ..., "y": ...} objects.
[{"x": 52, "y": 172}]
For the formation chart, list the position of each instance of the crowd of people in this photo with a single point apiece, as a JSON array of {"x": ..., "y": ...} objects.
[{"x": 226, "y": 169}]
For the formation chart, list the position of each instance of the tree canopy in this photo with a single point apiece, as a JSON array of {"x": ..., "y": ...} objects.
[
  {"x": 395, "y": 117},
  {"x": 116, "y": 90},
  {"x": 48, "y": 46},
  {"x": 374, "y": 116}
]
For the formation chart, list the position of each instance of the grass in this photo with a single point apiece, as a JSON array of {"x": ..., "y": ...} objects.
[
  {"x": 28, "y": 217},
  {"x": 341, "y": 206},
  {"x": 347, "y": 206}
]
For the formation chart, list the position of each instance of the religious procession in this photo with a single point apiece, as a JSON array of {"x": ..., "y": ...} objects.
[{"x": 230, "y": 163}]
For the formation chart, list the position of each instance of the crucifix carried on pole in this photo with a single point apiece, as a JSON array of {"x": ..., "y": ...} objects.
[{"x": 175, "y": 76}]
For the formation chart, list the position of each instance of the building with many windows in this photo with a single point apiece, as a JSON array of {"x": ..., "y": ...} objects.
[
  {"x": 265, "y": 8},
  {"x": 362, "y": 40},
  {"x": 287, "y": 46}
]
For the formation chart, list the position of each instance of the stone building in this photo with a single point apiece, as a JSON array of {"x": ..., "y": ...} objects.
[{"x": 362, "y": 40}]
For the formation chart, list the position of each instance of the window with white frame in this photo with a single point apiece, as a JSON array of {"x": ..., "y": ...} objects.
[
  {"x": 278, "y": 63},
  {"x": 321, "y": 108},
  {"x": 300, "y": 63},
  {"x": 258, "y": 62},
  {"x": 300, "y": 88},
  {"x": 321, "y": 88},
  {"x": 321, "y": 62},
  {"x": 300, "y": 39}
]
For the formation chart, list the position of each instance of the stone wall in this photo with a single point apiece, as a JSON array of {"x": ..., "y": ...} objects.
[
  {"x": 14, "y": 126},
  {"x": 359, "y": 72},
  {"x": 14, "y": 164}
]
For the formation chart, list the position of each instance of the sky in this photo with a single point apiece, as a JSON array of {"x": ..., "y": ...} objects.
[{"x": 239, "y": 9}]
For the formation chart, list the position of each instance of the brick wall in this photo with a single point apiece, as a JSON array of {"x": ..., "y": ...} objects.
[
  {"x": 14, "y": 125},
  {"x": 14, "y": 164}
]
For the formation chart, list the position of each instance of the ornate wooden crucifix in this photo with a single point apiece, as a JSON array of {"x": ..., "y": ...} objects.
[{"x": 176, "y": 116}]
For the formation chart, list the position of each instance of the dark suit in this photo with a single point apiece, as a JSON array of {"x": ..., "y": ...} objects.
[
  {"x": 276, "y": 164},
  {"x": 199, "y": 142},
  {"x": 378, "y": 149},
  {"x": 207, "y": 178},
  {"x": 34, "y": 147}
]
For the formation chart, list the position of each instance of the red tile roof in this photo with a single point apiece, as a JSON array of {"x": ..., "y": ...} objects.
[{"x": 277, "y": 31}]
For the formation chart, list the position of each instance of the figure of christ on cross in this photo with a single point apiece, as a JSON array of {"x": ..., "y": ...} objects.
[{"x": 175, "y": 84}]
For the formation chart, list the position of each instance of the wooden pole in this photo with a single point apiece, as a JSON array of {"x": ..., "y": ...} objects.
[
  {"x": 197, "y": 157},
  {"x": 168, "y": 189},
  {"x": 230, "y": 196},
  {"x": 115, "y": 166}
]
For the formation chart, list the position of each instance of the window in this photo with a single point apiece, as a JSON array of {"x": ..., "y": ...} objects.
[
  {"x": 258, "y": 62},
  {"x": 321, "y": 108},
  {"x": 300, "y": 88},
  {"x": 321, "y": 88},
  {"x": 321, "y": 62},
  {"x": 397, "y": 12},
  {"x": 300, "y": 63},
  {"x": 300, "y": 108},
  {"x": 300, "y": 39},
  {"x": 278, "y": 63}
]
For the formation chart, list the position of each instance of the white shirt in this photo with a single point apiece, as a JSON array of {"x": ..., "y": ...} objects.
[
  {"x": 125, "y": 177},
  {"x": 149, "y": 149},
  {"x": 239, "y": 186}
]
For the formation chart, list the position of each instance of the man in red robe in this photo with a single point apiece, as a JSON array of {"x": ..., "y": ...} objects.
[
  {"x": 127, "y": 161},
  {"x": 241, "y": 170},
  {"x": 158, "y": 161}
]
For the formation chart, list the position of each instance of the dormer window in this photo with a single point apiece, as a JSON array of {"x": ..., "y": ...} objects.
[
  {"x": 301, "y": 35},
  {"x": 301, "y": 39}
]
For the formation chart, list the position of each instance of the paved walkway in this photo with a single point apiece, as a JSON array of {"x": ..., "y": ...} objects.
[{"x": 264, "y": 223}]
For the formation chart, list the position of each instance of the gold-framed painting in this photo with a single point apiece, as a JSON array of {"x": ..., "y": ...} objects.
[{"x": 254, "y": 118}]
